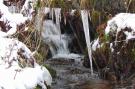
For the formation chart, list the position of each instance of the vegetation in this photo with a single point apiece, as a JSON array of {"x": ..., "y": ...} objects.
[{"x": 101, "y": 11}]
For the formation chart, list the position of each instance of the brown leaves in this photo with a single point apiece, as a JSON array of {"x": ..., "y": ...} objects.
[
  {"x": 12, "y": 2},
  {"x": 5, "y": 27}
]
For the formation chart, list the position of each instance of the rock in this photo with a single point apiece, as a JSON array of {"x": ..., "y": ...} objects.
[{"x": 95, "y": 84}]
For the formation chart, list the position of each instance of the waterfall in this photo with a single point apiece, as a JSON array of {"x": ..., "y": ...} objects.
[
  {"x": 57, "y": 42},
  {"x": 84, "y": 14}
]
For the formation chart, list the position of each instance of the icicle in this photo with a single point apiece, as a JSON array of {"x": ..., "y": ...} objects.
[
  {"x": 52, "y": 13},
  {"x": 58, "y": 17},
  {"x": 65, "y": 20},
  {"x": 46, "y": 10},
  {"x": 84, "y": 15}
]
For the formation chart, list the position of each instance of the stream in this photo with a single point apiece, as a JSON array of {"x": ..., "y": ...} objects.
[{"x": 70, "y": 74}]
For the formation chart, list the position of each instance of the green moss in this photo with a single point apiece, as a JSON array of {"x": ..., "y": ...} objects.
[
  {"x": 38, "y": 87},
  {"x": 38, "y": 4},
  {"x": 57, "y": 3},
  {"x": 52, "y": 71},
  {"x": 107, "y": 37}
]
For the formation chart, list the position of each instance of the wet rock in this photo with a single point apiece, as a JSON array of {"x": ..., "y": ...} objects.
[
  {"x": 95, "y": 84},
  {"x": 86, "y": 63}
]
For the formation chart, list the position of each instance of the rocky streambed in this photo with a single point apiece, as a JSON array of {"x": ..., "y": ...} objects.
[{"x": 72, "y": 75}]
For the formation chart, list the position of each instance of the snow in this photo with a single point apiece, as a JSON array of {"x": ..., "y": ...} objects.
[
  {"x": 120, "y": 22},
  {"x": 13, "y": 19},
  {"x": 95, "y": 44},
  {"x": 47, "y": 10},
  {"x": 27, "y": 78},
  {"x": 13, "y": 52},
  {"x": 111, "y": 47},
  {"x": 9, "y": 51},
  {"x": 28, "y": 8},
  {"x": 9, "y": 54},
  {"x": 72, "y": 12}
]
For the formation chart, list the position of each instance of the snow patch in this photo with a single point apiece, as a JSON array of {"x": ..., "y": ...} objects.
[{"x": 120, "y": 22}]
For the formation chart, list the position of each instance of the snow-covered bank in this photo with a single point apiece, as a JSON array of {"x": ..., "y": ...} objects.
[
  {"x": 120, "y": 22},
  {"x": 18, "y": 67},
  {"x": 114, "y": 50}
]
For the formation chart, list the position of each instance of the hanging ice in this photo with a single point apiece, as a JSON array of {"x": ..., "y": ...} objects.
[
  {"x": 84, "y": 14},
  {"x": 58, "y": 17}
]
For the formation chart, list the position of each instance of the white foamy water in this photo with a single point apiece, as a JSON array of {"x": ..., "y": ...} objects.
[
  {"x": 57, "y": 42},
  {"x": 84, "y": 14}
]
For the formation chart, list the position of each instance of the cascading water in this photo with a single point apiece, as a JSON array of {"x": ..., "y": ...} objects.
[
  {"x": 57, "y": 42},
  {"x": 84, "y": 14}
]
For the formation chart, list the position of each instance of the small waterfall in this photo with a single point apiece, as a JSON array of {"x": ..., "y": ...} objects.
[
  {"x": 84, "y": 14},
  {"x": 57, "y": 42}
]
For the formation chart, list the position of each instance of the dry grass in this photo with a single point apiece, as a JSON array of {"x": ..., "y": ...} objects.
[{"x": 85, "y": 4}]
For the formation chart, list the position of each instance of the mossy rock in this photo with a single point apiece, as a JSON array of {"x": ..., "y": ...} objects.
[{"x": 39, "y": 87}]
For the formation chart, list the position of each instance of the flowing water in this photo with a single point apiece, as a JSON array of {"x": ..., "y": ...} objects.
[
  {"x": 70, "y": 74},
  {"x": 84, "y": 14},
  {"x": 57, "y": 42}
]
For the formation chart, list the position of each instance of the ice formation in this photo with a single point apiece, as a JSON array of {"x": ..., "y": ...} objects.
[{"x": 84, "y": 14}]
